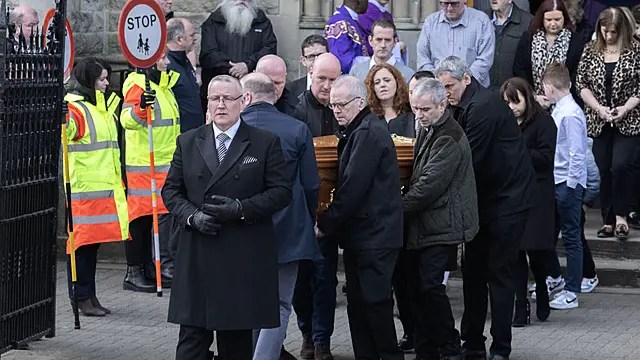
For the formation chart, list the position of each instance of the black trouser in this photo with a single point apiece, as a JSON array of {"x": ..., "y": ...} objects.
[
  {"x": 617, "y": 157},
  {"x": 401, "y": 282},
  {"x": 168, "y": 241},
  {"x": 588, "y": 266},
  {"x": 436, "y": 332},
  {"x": 538, "y": 262},
  {"x": 138, "y": 249},
  {"x": 487, "y": 272},
  {"x": 86, "y": 259},
  {"x": 314, "y": 297},
  {"x": 194, "y": 344},
  {"x": 369, "y": 303}
]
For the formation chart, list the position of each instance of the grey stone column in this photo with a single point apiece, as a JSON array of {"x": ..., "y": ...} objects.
[
  {"x": 312, "y": 14},
  {"x": 427, "y": 8},
  {"x": 328, "y": 8},
  {"x": 401, "y": 11}
]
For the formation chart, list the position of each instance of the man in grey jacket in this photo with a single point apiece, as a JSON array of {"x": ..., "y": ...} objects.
[{"x": 441, "y": 212}]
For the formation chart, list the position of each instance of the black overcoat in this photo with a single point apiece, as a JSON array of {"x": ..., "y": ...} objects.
[
  {"x": 228, "y": 281},
  {"x": 539, "y": 136}
]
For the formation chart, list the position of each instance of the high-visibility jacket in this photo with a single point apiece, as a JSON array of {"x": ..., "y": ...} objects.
[
  {"x": 166, "y": 128},
  {"x": 99, "y": 204}
]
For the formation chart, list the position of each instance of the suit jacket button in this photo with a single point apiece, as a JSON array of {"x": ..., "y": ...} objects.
[{"x": 236, "y": 177}]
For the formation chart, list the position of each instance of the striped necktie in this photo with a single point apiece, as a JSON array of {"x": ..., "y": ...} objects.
[{"x": 222, "y": 148}]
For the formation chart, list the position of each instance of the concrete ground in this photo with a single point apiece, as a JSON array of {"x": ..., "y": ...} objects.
[{"x": 606, "y": 326}]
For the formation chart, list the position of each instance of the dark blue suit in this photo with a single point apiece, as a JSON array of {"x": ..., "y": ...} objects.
[
  {"x": 294, "y": 224},
  {"x": 186, "y": 91}
]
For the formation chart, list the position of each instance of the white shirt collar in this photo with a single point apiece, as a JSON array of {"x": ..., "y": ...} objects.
[
  {"x": 354, "y": 15},
  {"x": 308, "y": 81},
  {"x": 377, "y": 4},
  {"x": 231, "y": 132},
  {"x": 392, "y": 61}
]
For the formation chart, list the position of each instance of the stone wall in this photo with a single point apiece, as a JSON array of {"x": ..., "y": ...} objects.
[{"x": 94, "y": 23}]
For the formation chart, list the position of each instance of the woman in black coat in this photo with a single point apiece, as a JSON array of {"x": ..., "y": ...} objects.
[
  {"x": 539, "y": 133},
  {"x": 551, "y": 38}
]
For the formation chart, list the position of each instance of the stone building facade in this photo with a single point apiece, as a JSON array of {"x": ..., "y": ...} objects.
[{"x": 94, "y": 23}]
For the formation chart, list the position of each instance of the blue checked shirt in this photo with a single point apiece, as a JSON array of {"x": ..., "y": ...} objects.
[{"x": 471, "y": 38}]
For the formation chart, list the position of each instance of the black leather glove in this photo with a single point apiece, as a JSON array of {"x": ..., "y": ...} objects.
[
  {"x": 205, "y": 223},
  {"x": 147, "y": 98},
  {"x": 223, "y": 208}
]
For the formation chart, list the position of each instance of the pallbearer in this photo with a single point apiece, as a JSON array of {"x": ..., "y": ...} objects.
[
  {"x": 97, "y": 193},
  {"x": 166, "y": 128}
]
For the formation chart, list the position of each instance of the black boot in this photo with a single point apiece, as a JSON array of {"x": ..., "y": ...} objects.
[
  {"x": 406, "y": 343},
  {"x": 522, "y": 316},
  {"x": 135, "y": 280},
  {"x": 542, "y": 302},
  {"x": 150, "y": 271}
]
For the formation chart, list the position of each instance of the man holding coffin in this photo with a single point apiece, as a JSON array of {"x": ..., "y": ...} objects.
[
  {"x": 366, "y": 217},
  {"x": 225, "y": 183}
]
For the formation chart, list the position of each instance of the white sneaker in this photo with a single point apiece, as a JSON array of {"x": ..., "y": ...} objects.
[
  {"x": 589, "y": 284},
  {"x": 553, "y": 287},
  {"x": 564, "y": 300}
]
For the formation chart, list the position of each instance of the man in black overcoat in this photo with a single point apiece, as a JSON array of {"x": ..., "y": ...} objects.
[
  {"x": 366, "y": 217},
  {"x": 505, "y": 182},
  {"x": 226, "y": 181}
]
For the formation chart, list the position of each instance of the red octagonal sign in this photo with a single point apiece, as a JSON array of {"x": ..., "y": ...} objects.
[{"x": 142, "y": 32}]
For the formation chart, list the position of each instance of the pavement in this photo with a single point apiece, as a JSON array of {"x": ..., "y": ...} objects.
[{"x": 606, "y": 326}]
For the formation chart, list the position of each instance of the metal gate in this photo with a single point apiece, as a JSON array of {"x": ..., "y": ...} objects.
[{"x": 31, "y": 90}]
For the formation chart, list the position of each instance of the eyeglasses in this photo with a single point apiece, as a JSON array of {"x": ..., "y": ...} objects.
[
  {"x": 453, "y": 4},
  {"x": 338, "y": 106},
  {"x": 311, "y": 57},
  {"x": 224, "y": 99}
]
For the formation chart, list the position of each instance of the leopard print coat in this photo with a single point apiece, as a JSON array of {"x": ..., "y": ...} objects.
[{"x": 626, "y": 80}]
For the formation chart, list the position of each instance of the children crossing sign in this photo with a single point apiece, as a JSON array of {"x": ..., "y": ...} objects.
[{"x": 142, "y": 32}]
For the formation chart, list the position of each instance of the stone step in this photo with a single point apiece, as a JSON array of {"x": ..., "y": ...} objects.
[
  {"x": 614, "y": 273},
  {"x": 610, "y": 248}
]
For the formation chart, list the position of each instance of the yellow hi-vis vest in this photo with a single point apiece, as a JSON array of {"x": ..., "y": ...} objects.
[
  {"x": 165, "y": 127},
  {"x": 99, "y": 204}
]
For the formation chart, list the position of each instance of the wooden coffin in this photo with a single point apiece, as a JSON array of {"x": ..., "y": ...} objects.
[{"x": 326, "y": 148}]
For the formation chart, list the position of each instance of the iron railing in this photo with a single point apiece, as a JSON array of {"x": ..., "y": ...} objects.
[{"x": 31, "y": 91}]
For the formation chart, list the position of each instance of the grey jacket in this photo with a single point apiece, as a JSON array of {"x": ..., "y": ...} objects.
[
  {"x": 441, "y": 206},
  {"x": 506, "y": 45},
  {"x": 361, "y": 69}
]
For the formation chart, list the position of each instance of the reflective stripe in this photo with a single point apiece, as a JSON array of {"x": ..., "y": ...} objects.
[
  {"x": 134, "y": 116},
  {"x": 90, "y": 123},
  {"x": 143, "y": 192},
  {"x": 95, "y": 146},
  {"x": 92, "y": 195},
  {"x": 146, "y": 169},
  {"x": 162, "y": 122},
  {"x": 92, "y": 220}
]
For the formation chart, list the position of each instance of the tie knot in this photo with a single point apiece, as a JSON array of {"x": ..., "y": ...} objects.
[{"x": 222, "y": 137}]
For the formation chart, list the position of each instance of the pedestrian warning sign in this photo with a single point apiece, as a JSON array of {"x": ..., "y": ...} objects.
[{"x": 142, "y": 32}]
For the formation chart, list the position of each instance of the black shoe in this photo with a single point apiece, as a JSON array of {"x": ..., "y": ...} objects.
[
  {"x": 167, "y": 278},
  {"x": 406, "y": 343},
  {"x": 150, "y": 271},
  {"x": 86, "y": 308},
  {"x": 470, "y": 354},
  {"x": 497, "y": 357},
  {"x": 97, "y": 305},
  {"x": 285, "y": 355},
  {"x": 322, "y": 352},
  {"x": 522, "y": 316},
  {"x": 543, "y": 310},
  {"x": 135, "y": 280},
  {"x": 451, "y": 357},
  {"x": 307, "y": 351}
]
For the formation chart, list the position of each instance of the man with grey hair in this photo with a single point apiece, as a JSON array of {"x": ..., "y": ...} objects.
[
  {"x": 295, "y": 238},
  {"x": 505, "y": 181},
  {"x": 366, "y": 217},
  {"x": 275, "y": 68},
  {"x": 441, "y": 212},
  {"x": 234, "y": 37},
  {"x": 26, "y": 21},
  {"x": 225, "y": 183}
]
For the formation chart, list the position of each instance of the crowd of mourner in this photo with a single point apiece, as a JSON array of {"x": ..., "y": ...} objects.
[{"x": 523, "y": 113}]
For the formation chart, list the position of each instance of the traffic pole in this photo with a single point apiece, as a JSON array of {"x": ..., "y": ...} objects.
[
  {"x": 74, "y": 273},
  {"x": 154, "y": 195}
]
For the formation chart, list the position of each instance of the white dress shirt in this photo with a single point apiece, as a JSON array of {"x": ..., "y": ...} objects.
[
  {"x": 392, "y": 61},
  {"x": 571, "y": 144},
  {"x": 308, "y": 81}
]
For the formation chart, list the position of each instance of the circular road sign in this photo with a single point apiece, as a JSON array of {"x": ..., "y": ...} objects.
[
  {"x": 142, "y": 32},
  {"x": 69, "y": 49}
]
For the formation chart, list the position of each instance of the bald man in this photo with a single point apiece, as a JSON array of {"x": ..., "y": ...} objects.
[
  {"x": 314, "y": 298},
  {"x": 26, "y": 20},
  {"x": 274, "y": 67},
  {"x": 293, "y": 225},
  {"x": 313, "y": 108}
]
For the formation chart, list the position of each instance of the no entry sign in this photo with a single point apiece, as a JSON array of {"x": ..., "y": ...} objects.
[
  {"x": 69, "y": 51},
  {"x": 142, "y": 32}
]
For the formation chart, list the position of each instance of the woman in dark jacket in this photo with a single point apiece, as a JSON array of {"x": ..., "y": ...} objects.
[
  {"x": 389, "y": 99},
  {"x": 539, "y": 133},
  {"x": 551, "y": 38}
]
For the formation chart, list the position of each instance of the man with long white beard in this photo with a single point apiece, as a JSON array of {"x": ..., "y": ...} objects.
[{"x": 234, "y": 37}]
